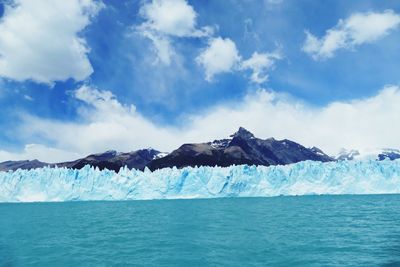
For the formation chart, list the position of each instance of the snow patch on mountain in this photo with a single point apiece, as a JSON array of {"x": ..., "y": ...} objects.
[{"x": 369, "y": 154}]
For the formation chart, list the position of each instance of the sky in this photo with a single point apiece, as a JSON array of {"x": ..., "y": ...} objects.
[{"x": 85, "y": 76}]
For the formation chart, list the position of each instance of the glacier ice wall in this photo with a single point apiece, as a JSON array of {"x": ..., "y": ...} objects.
[{"x": 308, "y": 177}]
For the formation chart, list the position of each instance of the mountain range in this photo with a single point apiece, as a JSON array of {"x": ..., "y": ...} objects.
[
  {"x": 111, "y": 160},
  {"x": 241, "y": 147},
  {"x": 375, "y": 154}
]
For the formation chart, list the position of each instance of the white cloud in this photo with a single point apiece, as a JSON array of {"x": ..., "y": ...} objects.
[
  {"x": 103, "y": 101},
  {"x": 162, "y": 46},
  {"x": 172, "y": 17},
  {"x": 169, "y": 18},
  {"x": 220, "y": 56},
  {"x": 260, "y": 64},
  {"x": 107, "y": 124},
  {"x": 358, "y": 29},
  {"x": 28, "y": 97},
  {"x": 39, "y": 40},
  {"x": 37, "y": 151},
  {"x": 165, "y": 20}
]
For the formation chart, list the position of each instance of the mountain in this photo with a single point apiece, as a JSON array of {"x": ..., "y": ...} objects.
[
  {"x": 374, "y": 154},
  {"x": 241, "y": 148},
  {"x": 114, "y": 160},
  {"x": 22, "y": 164},
  {"x": 111, "y": 160},
  {"x": 347, "y": 154},
  {"x": 391, "y": 154}
]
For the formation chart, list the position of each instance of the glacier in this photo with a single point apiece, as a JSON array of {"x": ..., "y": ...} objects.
[{"x": 303, "y": 178}]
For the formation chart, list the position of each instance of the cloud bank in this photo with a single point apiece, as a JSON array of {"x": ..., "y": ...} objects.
[
  {"x": 107, "y": 124},
  {"x": 358, "y": 29}
]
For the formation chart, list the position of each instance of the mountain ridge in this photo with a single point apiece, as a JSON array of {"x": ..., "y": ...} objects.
[{"x": 242, "y": 147}]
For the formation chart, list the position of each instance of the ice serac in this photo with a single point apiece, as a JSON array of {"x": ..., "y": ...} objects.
[{"x": 303, "y": 178}]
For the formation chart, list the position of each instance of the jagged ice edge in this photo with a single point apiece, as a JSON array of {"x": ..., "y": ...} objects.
[{"x": 303, "y": 178}]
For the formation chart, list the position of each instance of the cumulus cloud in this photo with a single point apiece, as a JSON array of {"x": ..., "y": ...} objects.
[
  {"x": 165, "y": 19},
  {"x": 107, "y": 124},
  {"x": 357, "y": 29},
  {"x": 220, "y": 56},
  {"x": 39, "y": 40},
  {"x": 172, "y": 17}
]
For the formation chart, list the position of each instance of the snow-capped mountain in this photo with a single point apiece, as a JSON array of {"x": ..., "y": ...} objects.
[
  {"x": 391, "y": 154},
  {"x": 373, "y": 154},
  {"x": 111, "y": 160},
  {"x": 347, "y": 154},
  {"x": 241, "y": 148}
]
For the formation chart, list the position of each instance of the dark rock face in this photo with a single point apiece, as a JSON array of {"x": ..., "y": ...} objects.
[
  {"x": 390, "y": 154},
  {"x": 137, "y": 159},
  {"x": 113, "y": 160},
  {"x": 242, "y": 148}
]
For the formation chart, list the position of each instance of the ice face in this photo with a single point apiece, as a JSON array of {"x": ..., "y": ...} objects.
[{"x": 308, "y": 177}]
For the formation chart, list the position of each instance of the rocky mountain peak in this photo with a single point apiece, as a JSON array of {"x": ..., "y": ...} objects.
[{"x": 243, "y": 133}]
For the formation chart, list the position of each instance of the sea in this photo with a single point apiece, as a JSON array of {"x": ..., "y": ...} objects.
[{"x": 346, "y": 230}]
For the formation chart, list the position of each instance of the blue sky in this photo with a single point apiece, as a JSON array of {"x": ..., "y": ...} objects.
[{"x": 173, "y": 69}]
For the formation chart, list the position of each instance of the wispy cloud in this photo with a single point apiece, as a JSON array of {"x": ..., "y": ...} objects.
[
  {"x": 358, "y": 29},
  {"x": 166, "y": 19},
  {"x": 260, "y": 64},
  {"x": 28, "y": 97}
]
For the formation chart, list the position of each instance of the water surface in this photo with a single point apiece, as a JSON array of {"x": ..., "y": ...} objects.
[{"x": 283, "y": 231}]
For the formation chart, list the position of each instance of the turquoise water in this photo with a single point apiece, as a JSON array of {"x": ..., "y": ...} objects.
[{"x": 280, "y": 231}]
